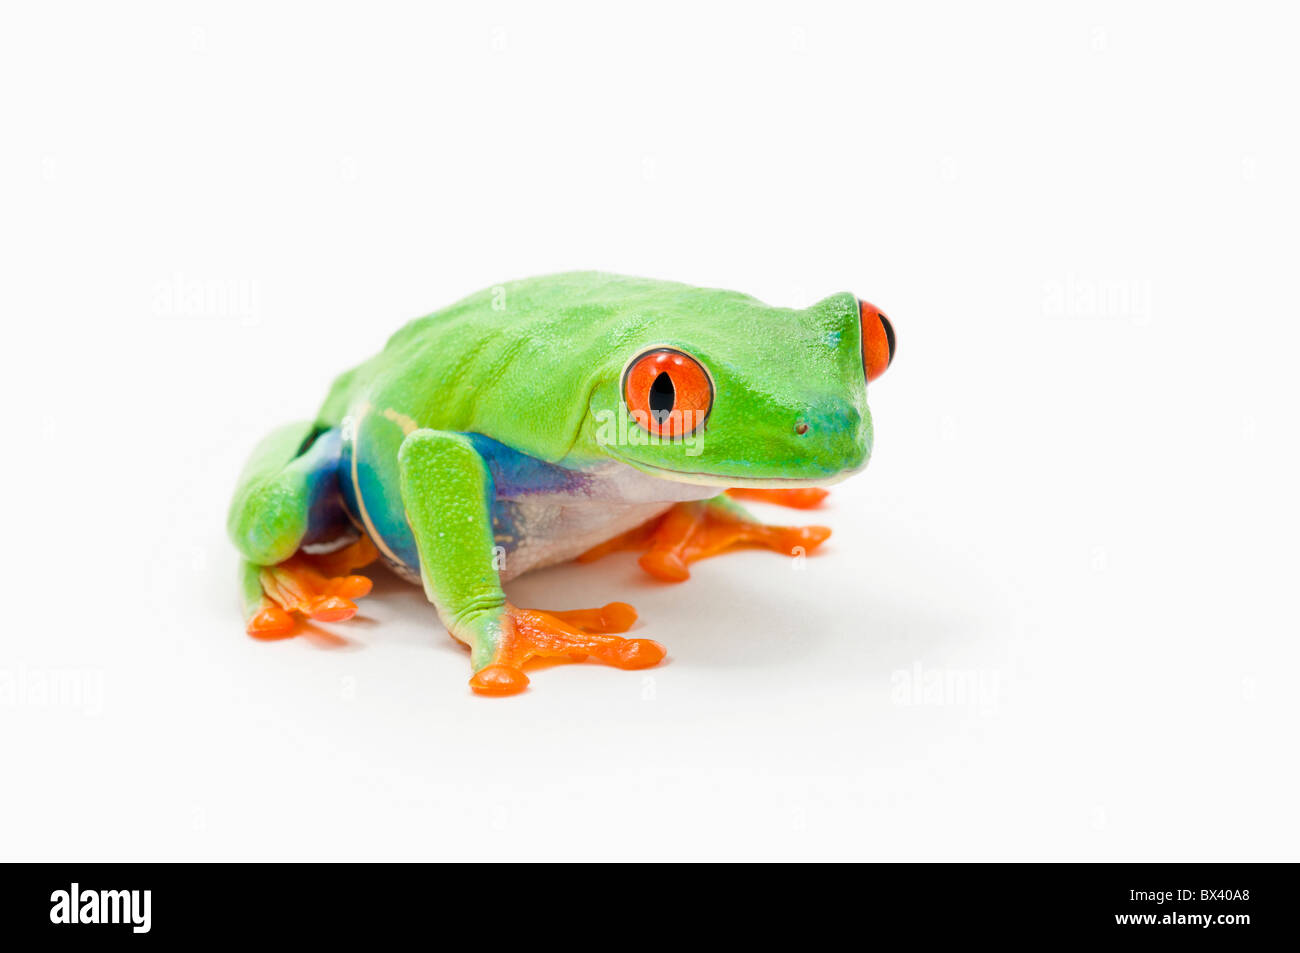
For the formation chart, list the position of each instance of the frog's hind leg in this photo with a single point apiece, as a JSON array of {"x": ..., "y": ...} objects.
[
  {"x": 693, "y": 531},
  {"x": 286, "y": 506}
]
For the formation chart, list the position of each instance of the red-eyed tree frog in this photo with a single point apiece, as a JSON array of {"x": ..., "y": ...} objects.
[{"x": 552, "y": 419}]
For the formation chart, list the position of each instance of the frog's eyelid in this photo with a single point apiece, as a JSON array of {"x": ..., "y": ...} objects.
[{"x": 622, "y": 376}]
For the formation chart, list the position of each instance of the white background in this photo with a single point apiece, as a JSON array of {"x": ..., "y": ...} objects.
[{"x": 1056, "y": 619}]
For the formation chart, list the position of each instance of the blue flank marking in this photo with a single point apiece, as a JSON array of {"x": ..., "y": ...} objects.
[
  {"x": 517, "y": 474},
  {"x": 326, "y": 518},
  {"x": 513, "y": 474}
]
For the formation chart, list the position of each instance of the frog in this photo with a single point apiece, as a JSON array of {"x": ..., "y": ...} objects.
[{"x": 554, "y": 419}]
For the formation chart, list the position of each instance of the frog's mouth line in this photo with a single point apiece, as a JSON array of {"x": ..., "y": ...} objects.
[{"x": 738, "y": 482}]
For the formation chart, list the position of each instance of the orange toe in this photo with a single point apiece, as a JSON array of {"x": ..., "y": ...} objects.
[
  {"x": 332, "y": 609},
  {"x": 350, "y": 587},
  {"x": 617, "y": 617},
  {"x": 807, "y": 538},
  {"x": 613, "y": 617},
  {"x": 665, "y": 565},
  {"x": 270, "y": 623},
  {"x": 498, "y": 679},
  {"x": 638, "y": 653}
]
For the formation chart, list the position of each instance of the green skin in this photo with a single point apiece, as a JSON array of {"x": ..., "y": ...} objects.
[{"x": 537, "y": 366}]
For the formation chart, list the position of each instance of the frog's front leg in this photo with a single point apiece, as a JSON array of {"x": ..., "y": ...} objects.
[
  {"x": 693, "y": 531},
  {"x": 447, "y": 493}
]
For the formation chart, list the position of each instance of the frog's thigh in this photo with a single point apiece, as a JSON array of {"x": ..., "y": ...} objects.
[
  {"x": 288, "y": 495},
  {"x": 286, "y": 498}
]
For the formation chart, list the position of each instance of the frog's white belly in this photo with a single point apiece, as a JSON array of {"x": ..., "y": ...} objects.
[
  {"x": 557, "y": 532},
  {"x": 554, "y": 529}
]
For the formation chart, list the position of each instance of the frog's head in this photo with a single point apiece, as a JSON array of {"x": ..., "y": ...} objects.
[{"x": 717, "y": 388}]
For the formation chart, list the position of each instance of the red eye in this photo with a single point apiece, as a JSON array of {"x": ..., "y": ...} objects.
[
  {"x": 877, "y": 340},
  {"x": 668, "y": 392}
]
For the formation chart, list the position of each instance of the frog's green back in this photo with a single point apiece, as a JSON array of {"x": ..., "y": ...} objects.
[
  {"x": 520, "y": 362},
  {"x": 508, "y": 322}
]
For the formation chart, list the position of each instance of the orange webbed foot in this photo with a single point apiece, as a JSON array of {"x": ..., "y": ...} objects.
[
  {"x": 319, "y": 587},
  {"x": 690, "y": 532},
  {"x": 575, "y": 635}
]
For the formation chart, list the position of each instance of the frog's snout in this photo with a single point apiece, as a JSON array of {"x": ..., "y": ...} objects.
[
  {"x": 833, "y": 433},
  {"x": 828, "y": 418}
]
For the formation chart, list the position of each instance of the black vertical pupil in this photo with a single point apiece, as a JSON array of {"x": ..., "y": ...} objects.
[{"x": 662, "y": 397}]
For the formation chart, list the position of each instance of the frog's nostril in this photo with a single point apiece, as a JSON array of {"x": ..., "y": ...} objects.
[{"x": 801, "y": 428}]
